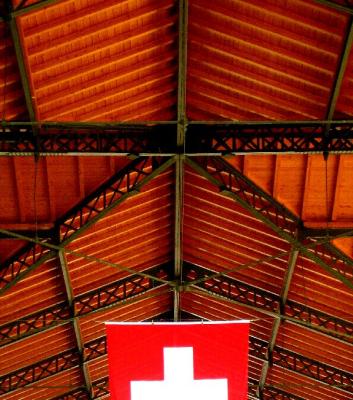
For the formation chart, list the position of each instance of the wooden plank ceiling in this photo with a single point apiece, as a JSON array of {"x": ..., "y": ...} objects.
[{"x": 85, "y": 239}]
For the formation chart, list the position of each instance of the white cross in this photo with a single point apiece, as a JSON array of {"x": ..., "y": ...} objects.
[{"x": 179, "y": 383}]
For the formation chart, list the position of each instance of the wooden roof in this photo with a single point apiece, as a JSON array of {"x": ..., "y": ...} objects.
[{"x": 176, "y": 160}]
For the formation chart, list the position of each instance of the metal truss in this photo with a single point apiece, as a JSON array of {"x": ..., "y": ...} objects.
[
  {"x": 267, "y": 302},
  {"x": 302, "y": 365},
  {"x": 82, "y": 305},
  {"x": 126, "y": 182},
  {"x": 234, "y": 184},
  {"x": 114, "y": 293},
  {"x": 270, "y": 138},
  {"x": 24, "y": 139},
  {"x": 34, "y": 323},
  {"x": 159, "y": 138}
]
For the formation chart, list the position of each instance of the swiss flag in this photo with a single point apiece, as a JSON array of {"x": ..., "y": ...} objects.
[{"x": 189, "y": 361}]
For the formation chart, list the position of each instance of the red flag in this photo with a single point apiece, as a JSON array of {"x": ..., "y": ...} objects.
[{"x": 152, "y": 361}]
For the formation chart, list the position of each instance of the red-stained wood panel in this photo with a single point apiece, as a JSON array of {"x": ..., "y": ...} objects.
[
  {"x": 40, "y": 289},
  {"x": 256, "y": 60},
  {"x": 46, "y": 344},
  {"x": 207, "y": 307},
  {"x": 9, "y": 247},
  {"x": 311, "y": 285},
  {"x": 40, "y": 192},
  {"x": 220, "y": 235},
  {"x": 12, "y": 104},
  {"x": 317, "y": 191},
  {"x": 104, "y": 61},
  {"x": 304, "y": 387},
  {"x": 316, "y": 346},
  {"x": 51, "y": 387}
]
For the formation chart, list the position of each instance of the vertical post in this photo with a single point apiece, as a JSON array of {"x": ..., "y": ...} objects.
[{"x": 179, "y": 165}]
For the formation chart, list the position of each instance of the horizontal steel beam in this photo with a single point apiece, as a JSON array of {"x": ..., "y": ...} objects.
[
  {"x": 80, "y": 140},
  {"x": 85, "y": 304},
  {"x": 201, "y": 138},
  {"x": 272, "y": 138}
]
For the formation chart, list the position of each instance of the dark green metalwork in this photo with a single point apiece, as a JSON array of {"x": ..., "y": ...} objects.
[
  {"x": 123, "y": 184},
  {"x": 234, "y": 184}
]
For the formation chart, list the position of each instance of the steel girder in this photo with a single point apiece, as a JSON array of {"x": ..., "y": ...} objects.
[
  {"x": 159, "y": 138},
  {"x": 105, "y": 139},
  {"x": 234, "y": 184},
  {"x": 127, "y": 182},
  {"x": 85, "y": 304},
  {"x": 302, "y": 365},
  {"x": 266, "y": 302},
  {"x": 271, "y": 138}
]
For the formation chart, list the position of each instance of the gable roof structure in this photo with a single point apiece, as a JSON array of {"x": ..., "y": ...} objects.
[{"x": 176, "y": 160}]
